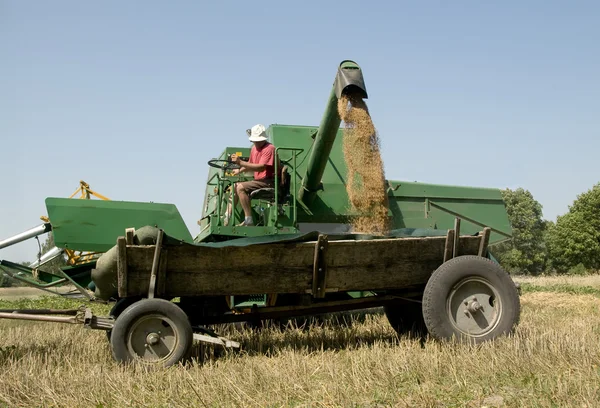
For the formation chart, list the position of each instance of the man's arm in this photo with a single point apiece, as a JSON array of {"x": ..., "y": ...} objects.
[
  {"x": 246, "y": 165},
  {"x": 252, "y": 166},
  {"x": 240, "y": 170}
]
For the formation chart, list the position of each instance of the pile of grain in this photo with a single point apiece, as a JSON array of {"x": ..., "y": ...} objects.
[{"x": 366, "y": 180}]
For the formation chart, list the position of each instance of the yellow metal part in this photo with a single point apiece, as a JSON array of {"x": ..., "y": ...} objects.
[
  {"x": 77, "y": 257},
  {"x": 86, "y": 193}
]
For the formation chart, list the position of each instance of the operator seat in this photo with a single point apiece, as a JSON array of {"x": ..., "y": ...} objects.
[{"x": 268, "y": 194}]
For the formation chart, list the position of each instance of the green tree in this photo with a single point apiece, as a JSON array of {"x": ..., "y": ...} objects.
[
  {"x": 5, "y": 280},
  {"x": 54, "y": 265},
  {"x": 526, "y": 251},
  {"x": 575, "y": 238}
]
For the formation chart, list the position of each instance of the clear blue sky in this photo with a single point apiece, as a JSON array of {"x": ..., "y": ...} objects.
[{"x": 134, "y": 97}]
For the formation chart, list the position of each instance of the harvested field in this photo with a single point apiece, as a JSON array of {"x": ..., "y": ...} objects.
[
  {"x": 552, "y": 360},
  {"x": 29, "y": 292},
  {"x": 586, "y": 280}
]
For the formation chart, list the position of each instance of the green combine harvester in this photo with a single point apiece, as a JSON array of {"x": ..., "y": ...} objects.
[{"x": 433, "y": 272}]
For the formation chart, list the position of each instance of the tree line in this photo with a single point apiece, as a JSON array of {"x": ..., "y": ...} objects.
[{"x": 569, "y": 245}]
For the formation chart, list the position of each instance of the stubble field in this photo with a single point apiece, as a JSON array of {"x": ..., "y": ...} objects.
[{"x": 552, "y": 360}]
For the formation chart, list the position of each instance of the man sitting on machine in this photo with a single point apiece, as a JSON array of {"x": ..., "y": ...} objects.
[{"x": 261, "y": 162}]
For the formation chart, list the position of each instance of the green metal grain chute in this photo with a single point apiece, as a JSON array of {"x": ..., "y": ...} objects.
[{"x": 348, "y": 79}]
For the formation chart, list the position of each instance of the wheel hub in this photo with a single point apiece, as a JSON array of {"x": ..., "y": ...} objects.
[
  {"x": 474, "y": 306},
  {"x": 152, "y": 339}
]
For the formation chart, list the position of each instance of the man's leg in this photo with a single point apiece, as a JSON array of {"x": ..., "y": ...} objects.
[
  {"x": 243, "y": 191},
  {"x": 228, "y": 211},
  {"x": 244, "y": 198}
]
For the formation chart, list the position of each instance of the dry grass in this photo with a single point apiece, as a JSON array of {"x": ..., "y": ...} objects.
[
  {"x": 27, "y": 292},
  {"x": 366, "y": 180},
  {"x": 588, "y": 280},
  {"x": 552, "y": 360}
]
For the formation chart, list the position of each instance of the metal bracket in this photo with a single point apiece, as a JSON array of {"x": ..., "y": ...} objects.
[
  {"x": 485, "y": 240},
  {"x": 449, "y": 245},
  {"x": 91, "y": 321},
  {"x": 456, "y": 237},
  {"x": 155, "y": 264},
  {"x": 221, "y": 341},
  {"x": 320, "y": 267}
]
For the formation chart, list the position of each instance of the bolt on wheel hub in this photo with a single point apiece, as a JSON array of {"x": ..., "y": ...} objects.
[
  {"x": 152, "y": 339},
  {"x": 474, "y": 306}
]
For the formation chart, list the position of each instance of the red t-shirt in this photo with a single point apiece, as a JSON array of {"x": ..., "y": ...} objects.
[{"x": 265, "y": 155}]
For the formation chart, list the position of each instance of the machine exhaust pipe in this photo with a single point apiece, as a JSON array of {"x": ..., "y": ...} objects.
[
  {"x": 23, "y": 236},
  {"x": 349, "y": 80}
]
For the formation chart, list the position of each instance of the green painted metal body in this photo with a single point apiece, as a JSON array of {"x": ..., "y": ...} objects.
[
  {"x": 94, "y": 225},
  {"x": 318, "y": 199},
  {"x": 412, "y": 204}
]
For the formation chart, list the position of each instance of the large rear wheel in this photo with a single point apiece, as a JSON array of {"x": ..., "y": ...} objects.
[
  {"x": 470, "y": 298},
  {"x": 406, "y": 318}
]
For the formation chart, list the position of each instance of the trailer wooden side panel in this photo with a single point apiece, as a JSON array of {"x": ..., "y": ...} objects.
[{"x": 288, "y": 267}]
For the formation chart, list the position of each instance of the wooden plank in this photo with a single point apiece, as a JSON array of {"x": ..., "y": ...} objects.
[
  {"x": 129, "y": 232},
  {"x": 320, "y": 267},
  {"x": 484, "y": 242},
  {"x": 448, "y": 247},
  {"x": 122, "y": 262},
  {"x": 455, "y": 251},
  {"x": 288, "y": 268}
]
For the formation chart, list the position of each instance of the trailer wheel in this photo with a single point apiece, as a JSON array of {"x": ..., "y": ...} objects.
[
  {"x": 406, "y": 318},
  {"x": 470, "y": 298},
  {"x": 118, "y": 308},
  {"x": 152, "y": 331}
]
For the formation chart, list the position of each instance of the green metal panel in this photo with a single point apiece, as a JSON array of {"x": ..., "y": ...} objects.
[
  {"x": 331, "y": 202},
  {"x": 437, "y": 206},
  {"x": 94, "y": 225}
]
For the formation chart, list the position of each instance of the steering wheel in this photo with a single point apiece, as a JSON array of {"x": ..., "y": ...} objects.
[{"x": 223, "y": 164}]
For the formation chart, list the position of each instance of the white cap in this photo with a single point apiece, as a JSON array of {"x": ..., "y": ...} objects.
[{"x": 257, "y": 133}]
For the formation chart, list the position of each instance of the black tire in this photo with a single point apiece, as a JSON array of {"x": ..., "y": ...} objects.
[
  {"x": 470, "y": 298},
  {"x": 406, "y": 318},
  {"x": 152, "y": 331},
  {"x": 118, "y": 308}
]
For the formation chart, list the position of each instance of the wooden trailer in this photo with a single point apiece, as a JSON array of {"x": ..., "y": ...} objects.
[
  {"x": 443, "y": 284},
  {"x": 169, "y": 292}
]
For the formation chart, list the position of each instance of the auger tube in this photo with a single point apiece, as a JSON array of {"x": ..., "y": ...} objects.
[
  {"x": 349, "y": 79},
  {"x": 23, "y": 236}
]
